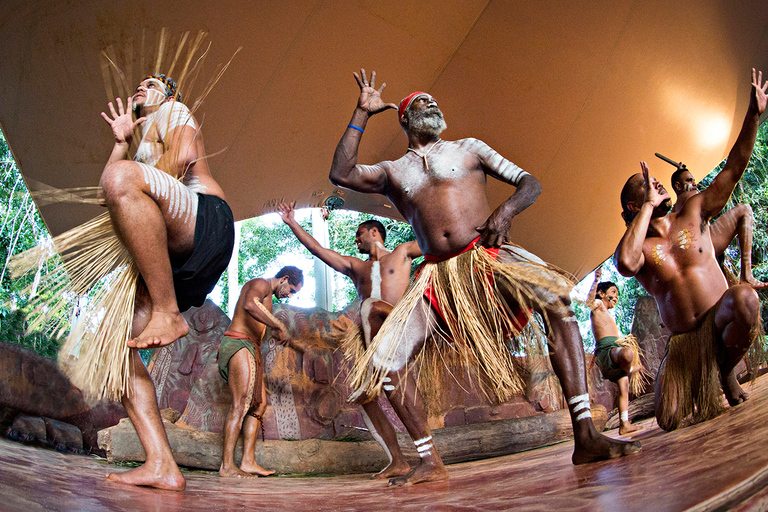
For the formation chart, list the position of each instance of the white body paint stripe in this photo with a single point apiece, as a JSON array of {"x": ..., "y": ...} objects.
[
  {"x": 583, "y": 415},
  {"x": 424, "y": 448},
  {"x": 425, "y": 454},
  {"x": 579, "y": 398},
  {"x": 422, "y": 440},
  {"x": 376, "y": 280},
  {"x": 389, "y": 387}
]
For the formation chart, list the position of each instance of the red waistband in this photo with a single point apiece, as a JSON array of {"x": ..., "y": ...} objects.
[
  {"x": 239, "y": 336},
  {"x": 429, "y": 257}
]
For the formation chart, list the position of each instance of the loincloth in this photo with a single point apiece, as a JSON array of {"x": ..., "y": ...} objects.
[
  {"x": 479, "y": 299},
  {"x": 196, "y": 277},
  {"x": 231, "y": 343},
  {"x": 689, "y": 377},
  {"x": 608, "y": 367}
]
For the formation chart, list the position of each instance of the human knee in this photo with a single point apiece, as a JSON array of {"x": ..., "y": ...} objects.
[
  {"x": 625, "y": 356},
  {"x": 120, "y": 178},
  {"x": 746, "y": 303}
]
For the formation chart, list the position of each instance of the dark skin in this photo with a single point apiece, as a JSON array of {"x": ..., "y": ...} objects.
[
  {"x": 394, "y": 277},
  {"x": 448, "y": 208},
  {"x": 144, "y": 221},
  {"x": 736, "y": 222},
  {"x": 672, "y": 255},
  {"x": 253, "y": 314}
]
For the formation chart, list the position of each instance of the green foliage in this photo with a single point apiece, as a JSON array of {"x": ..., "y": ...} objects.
[{"x": 21, "y": 228}]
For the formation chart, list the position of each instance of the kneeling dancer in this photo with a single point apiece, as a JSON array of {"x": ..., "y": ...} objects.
[
  {"x": 672, "y": 256},
  {"x": 475, "y": 290}
]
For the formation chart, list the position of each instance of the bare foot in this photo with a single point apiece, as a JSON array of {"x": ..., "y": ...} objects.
[
  {"x": 595, "y": 446},
  {"x": 151, "y": 475},
  {"x": 162, "y": 329},
  {"x": 234, "y": 472},
  {"x": 754, "y": 283},
  {"x": 394, "y": 469},
  {"x": 252, "y": 467},
  {"x": 733, "y": 392},
  {"x": 628, "y": 428},
  {"x": 424, "y": 472}
]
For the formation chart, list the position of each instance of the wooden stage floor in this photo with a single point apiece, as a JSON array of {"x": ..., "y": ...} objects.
[{"x": 719, "y": 465}]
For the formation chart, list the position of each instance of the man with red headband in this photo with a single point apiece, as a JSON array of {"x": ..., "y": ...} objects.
[
  {"x": 172, "y": 217},
  {"x": 474, "y": 291}
]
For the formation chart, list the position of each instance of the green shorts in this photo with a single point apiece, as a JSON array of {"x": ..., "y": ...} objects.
[
  {"x": 228, "y": 348},
  {"x": 610, "y": 370}
]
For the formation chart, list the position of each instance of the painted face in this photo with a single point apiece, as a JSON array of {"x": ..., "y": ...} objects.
[
  {"x": 286, "y": 290},
  {"x": 688, "y": 182},
  {"x": 610, "y": 297},
  {"x": 149, "y": 93}
]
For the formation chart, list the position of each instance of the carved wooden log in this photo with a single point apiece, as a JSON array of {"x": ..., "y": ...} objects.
[{"x": 463, "y": 443}]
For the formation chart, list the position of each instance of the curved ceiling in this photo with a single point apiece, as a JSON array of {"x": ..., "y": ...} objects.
[{"x": 577, "y": 93}]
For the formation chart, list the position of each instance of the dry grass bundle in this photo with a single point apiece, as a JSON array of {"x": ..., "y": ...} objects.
[{"x": 479, "y": 319}]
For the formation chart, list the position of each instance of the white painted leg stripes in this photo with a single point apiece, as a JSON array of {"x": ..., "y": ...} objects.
[
  {"x": 387, "y": 385},
  {"x": 580, "y": 403},
  {"x": 423, "y": 446},
  {"x": 624, "y": 415}
]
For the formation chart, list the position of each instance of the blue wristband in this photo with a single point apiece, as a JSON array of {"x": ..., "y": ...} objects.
[{"x": 356, "y": 128}]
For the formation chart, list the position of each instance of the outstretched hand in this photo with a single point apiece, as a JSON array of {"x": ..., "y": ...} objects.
[
  {"x": 122, "y": 122},
  {"x": 652, "y": 194},
  {"x": 759, "y": 99},
  {"x": 598, "y": 273},
  {"x": 286, "y": 212},
  {"x": 370, "y": 98}
]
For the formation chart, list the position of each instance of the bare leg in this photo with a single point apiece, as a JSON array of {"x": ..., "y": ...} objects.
[
  {"x": 373, "y": 312},
  {"x": 251, "y": 429},
  {"x": 737, "y": 313},
  {"x": 147, "y": 221},
  {"x": 240, "y": 371},
  {"x": 737, "y": 222},
  {"x": 566, "y": 353},
  {"x": 160, "y": 469},
  {"x": 625, "y": 426},
  {"x": 400, "y": 388}
]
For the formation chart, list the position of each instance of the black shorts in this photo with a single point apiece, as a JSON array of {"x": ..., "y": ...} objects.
[{"x": 214, "y": 241}]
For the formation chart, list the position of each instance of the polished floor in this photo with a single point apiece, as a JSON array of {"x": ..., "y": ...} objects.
[{"x": 718, "y": 465}]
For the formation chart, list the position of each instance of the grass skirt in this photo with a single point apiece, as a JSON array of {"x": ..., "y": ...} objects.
[{"x": 476, "y": 294}]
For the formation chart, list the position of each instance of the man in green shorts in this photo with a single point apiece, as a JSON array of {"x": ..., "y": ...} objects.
[
  {"x": 618, "y": 357},
  {"x": 243, "y": 370}
]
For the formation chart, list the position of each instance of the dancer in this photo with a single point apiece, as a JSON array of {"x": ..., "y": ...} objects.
[
  {"x": 241, "y": 366},
  {"x": 618, "y": 357},
  {"x": 172, "y": 217},
  {"x": 736, "y": 222},
  {"x": 672, "y": 256},
  {"x": 473, "y": 285},
  {"x": 380, "y": 282}
]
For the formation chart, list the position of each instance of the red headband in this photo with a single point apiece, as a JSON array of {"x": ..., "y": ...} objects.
[{"x": 406, "y": 102}]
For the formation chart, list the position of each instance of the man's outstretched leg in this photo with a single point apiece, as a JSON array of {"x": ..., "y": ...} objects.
[
  {"x": 567, "y": 356},
  {"x": 737, "y": 222},
  {"x": 406, "y": 400},
  {"x": 160, "y": 469},
  {"x": 154, "y": 216},
  {"x": 373, "y": 312}
]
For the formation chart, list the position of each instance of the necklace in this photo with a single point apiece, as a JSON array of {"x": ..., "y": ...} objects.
[{"x": 424, "y": 156}]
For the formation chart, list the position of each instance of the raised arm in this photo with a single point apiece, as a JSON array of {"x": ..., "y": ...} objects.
[
  {"x": 593, "y": 291},
  {"x": 714, "y": 198},
  {"x": 331, "y": 258},
  {"x": 527, "y": 188},
  {"x": 345, "y": 171},
  {"x": 629, "y": 257},
  {"x": 122, "y": 125}
]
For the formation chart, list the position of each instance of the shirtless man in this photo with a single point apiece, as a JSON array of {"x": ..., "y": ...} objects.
[
  {"x": 614, "y": 354},
  {"x": 736, "y": 222},
  {"x": 380, "y": 281},
  {"x": 172, "y": 217},
  {"x": 440, "y": 188},
  {"x": 241, "y": 366},
  {"x": 672, "y": 256}
]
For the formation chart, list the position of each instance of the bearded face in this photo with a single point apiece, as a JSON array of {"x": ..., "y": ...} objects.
[{"x": 426, "y": 122}]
